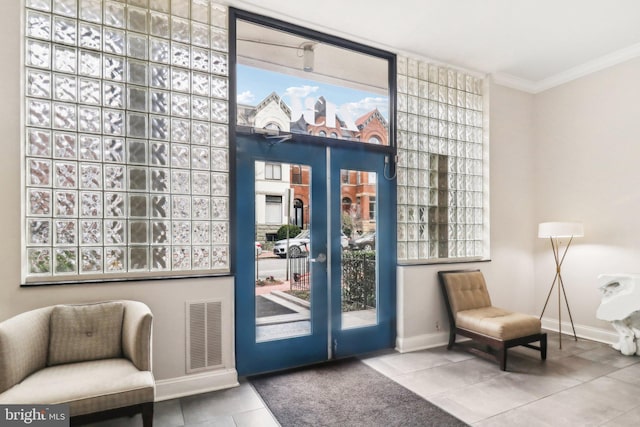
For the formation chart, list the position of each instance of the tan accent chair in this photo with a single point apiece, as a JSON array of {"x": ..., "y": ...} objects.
[
  {"x": 94, "y": 357},
  {"x": 472, "y": 315}
]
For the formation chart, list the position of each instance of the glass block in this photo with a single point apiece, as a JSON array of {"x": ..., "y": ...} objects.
[
  {"x": 220, "y": 257},
  {"x": 219, "y": 40},
  {"x": 65, "y": 145},
  {"x": 180, "y": 8},
  {"x": 218, "y": 15},
  {"x": 137, "y": 19},
  {"x": 114, "y": 41},
  {"x": 219, "y": 135},
  {"x": 180, "y": 55},
  {"x": 181, "y": 232},
  {"x": 65, "y": 88},
  {"x": 66, "y": 203},
  {"x": 159, "y": 127},
  {"x": 220, "y": 232},
  {"x": 160, "y": 258},
  {"x": 38, "y": 83},
  {"x": 65, "y": 232},
  {"x": 180, "y": 104},
  {"x": 140, "y": 3},
  {"x": 402, "y": 232},
  {"x": 39, "y": 202},
  {"x": 89, "y": 119},
  {"x": 137, "y": 179},
  {"x": 66, "y": 260},
  {"x": 38, "y": 25},
  {"x": 200, "y": 108},
  {"x": 137, "y": 98},
  {"x": 64, "y": 31},
  {"x": 412, "y": 67},
  {"x": 219, "y": 87},
  {"x": 160, "y": 207},
  {"x": 137, "y": 72},
  {"x": 200, "y": 158},
  {"x": 180, "y": 79},
  {"x": 90, "y": 176},
  {"x": 39, "y": 172},
  {"x": 201, "y": 208},
  {"x": 90, "y": 92},
  {"x": 65, "y": 59},
  {"x": 219, "y": 184},
  {"x": 180, "y": 30},
  {"x": 114, "y": 260},
  {"x": 114, "y": 177},
  {"x": 201, "y": 183},
  {"x": 38, "y": 54},
  {"x": 219, "y": 63},
  {"x": 39, "y": 232},
  {"x": 200, "y": 84},
  {"x": 160, "y": 232},
  {"x": 200, "y": 10},
  {"x": 160, "y": 180},
  {"x": 159, "y": 24},
  {"x": 180, "y": 207},
  {"x": 219, "y": 111},
  {"x": 219, "y": 159},
  {"x": 114, "y": 205},
  {"x": 65, "y": 174},
  {"x": 160, "y": 76},
  {"x": 181, "y": 258},
  {"x": 114, "y": 232},
  {"x": 91, "y": 10},
  {"x": 137, "y": 46},
  {"x": 113, "y": 122},
  {"x": 91, "y": 204},
  {"x": 160, "y": 5},
  {"x": 402, "y": 102},
  {"x": 160, "y": 51},
  {"x": 200, "y": 133},
  {"x": 114, "y": 15},
  {"x": 200, "y": 34},
  {"x": 201, "y": 258},
  {"x": 159, "y": 154},
  {"x": 39, "y": 142},
  {"x": 137, "y": 125},
  {"x": 113, "y": 95},
  {"x": 180, "y": 182},
  {"x": 160, "y": 102},
  {"x": 138, "y": 206},
  {"x": 200, "y": 59},
  {"x": 113, "y": 68},
  {"x": 39, "y": 4},
  {"x": 65, "y": 116},
  {"x": 91, "y": 260},
  {"x": 65, "y": 7},
  {"x": 180, "y": 156},
  {"x": 402, "y": 251},
  {"x": 39, "y": 260}
]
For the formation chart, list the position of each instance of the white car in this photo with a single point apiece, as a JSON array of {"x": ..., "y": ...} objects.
[{"x": 299, "y": 245}]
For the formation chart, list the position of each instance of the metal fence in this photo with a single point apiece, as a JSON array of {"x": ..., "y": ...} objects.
[{"x": 300, "y": 279}]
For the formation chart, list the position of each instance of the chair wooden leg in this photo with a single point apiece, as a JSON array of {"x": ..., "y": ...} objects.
[
  {"x": 503, "y": 358},
  {"x": 147, "y": 414},
  {"x": 543, "y": 347},
  {"x": 452, "y": 339}
]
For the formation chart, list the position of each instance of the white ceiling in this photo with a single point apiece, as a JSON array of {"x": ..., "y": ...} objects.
[{"x": 528, "y": 44}]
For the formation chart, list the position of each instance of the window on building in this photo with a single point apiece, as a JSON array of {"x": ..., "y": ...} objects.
[
  {"x": 442, "y": 202},
  {"x": 126, "y": 140},
  {"x": 372, "y": 207},
  {"x": 344, "y": 176},
  {"x": 296, "y": 174},
  {"x": 273, "y": 171},
  {"x": 273, "y": 209},
  {"x": 346, "y": 204}
]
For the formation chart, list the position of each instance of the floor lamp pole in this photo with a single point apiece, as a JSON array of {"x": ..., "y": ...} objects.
[{"x": 555, "y": 246}]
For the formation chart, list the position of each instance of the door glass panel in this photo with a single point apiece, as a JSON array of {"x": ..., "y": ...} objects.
[
  {"x": 359, "y": 284},
  {"x": 282, "y": 274}
]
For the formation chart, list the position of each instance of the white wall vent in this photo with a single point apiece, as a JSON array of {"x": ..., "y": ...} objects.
[{"x": 204, "y": 335}]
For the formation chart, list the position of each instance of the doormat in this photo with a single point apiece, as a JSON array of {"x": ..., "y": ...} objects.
[
  {"x": 266, "y": 308},
  {"x": 345, "y": 393}
]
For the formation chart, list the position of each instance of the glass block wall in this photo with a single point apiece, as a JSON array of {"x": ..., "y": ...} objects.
[
  {"x": 126, "y": 145},
  {"x": 440, "y": 162}
]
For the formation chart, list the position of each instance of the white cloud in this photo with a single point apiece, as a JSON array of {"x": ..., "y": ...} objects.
[
  {"x": 246, "y": 97},
  {"x": 300, "y": 91},
  {"x": 359, "y": 108}
]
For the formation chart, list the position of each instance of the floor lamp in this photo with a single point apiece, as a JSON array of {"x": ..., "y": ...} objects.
[{"x": 555, "y": 231}]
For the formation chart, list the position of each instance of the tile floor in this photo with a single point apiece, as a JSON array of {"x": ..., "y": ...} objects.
[{"x": 584, "y": 384}]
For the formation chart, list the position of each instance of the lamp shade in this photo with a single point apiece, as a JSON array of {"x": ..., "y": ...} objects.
[{"x": 560, "y": 229}]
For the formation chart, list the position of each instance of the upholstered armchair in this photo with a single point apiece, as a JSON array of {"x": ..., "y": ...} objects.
[{"x": 94, "y": 357}]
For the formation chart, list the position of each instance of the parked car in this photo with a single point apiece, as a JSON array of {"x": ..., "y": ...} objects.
[
  {"x": 366, "y": 242},
  {"x": 258, "y": 248},
  {"x": 298, "y": 245}
]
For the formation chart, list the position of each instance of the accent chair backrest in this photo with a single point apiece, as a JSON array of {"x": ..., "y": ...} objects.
[{"x": 465, "y": 290}]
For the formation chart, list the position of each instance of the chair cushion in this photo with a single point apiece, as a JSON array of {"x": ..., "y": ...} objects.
[
  {"x": 85, "y": 332},
  {"x": 498, "y": 323},
  {"x": 87, "y": 387}
]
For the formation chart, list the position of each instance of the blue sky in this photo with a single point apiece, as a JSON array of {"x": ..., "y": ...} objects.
[{"x": 255, "y": 84}]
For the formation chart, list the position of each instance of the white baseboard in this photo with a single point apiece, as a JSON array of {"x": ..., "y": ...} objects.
[
  {"x": 188, "y": 385},
  {"x": 582, "y": 331},
  {"x": 421, "y": 342}
]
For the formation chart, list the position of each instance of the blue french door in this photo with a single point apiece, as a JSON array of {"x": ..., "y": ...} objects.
[{"x": 331, "y": 297}]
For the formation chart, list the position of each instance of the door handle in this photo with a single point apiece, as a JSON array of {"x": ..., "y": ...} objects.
[{"x": 321, "y": 258}]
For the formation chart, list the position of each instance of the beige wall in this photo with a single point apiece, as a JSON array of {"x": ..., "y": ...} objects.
[{"x": 586, "y": 157}]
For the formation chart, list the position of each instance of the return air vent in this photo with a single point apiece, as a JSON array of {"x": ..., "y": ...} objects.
[{"x": 204, "y": 335}]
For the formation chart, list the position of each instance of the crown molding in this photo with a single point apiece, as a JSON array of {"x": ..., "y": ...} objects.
[{"x": 571, "y": 74}]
